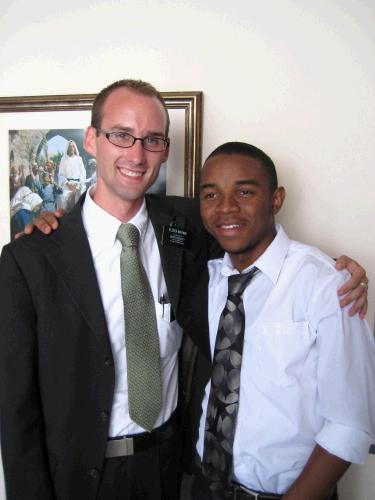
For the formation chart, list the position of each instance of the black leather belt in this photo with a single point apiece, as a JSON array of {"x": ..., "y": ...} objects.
[
  {"x": 123, "y": 446},
  {"x": 242, "y": 493}
]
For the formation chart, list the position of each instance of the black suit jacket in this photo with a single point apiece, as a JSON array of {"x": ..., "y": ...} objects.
[{"x": 56, "y": 366}]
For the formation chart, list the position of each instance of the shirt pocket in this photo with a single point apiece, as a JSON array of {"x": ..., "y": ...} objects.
[
  {"x": 282, "y": 350},
  {"x": 170, "y": 332}
]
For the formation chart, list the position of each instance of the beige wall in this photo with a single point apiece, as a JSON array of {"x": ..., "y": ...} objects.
[{"x": 296, "y": 78}]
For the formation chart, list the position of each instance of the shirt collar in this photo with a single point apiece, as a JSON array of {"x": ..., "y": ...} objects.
[
  {"x": 269, "y": 263},
  {"x": 102, "y": 227}
]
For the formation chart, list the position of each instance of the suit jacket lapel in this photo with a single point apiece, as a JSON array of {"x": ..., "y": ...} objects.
[
  {"x": 193, "y": 312},
  {"x": 171, "y": 257},
  {"x": 71, "y": 258}
]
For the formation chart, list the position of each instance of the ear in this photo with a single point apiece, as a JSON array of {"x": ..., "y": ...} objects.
[
  {"x": 166, "y": 154},
  {"x": 89, "y": 141},
  {"x": 278, "y": 197}
]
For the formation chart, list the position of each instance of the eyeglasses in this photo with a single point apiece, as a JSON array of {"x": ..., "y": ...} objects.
[{"x": 125, "y": 140}]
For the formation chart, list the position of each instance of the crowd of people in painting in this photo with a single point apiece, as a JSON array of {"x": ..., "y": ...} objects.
[{"x": 48, "y": 187}]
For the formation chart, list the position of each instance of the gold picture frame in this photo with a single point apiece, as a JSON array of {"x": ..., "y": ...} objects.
[{"x": 73, "y": 111}]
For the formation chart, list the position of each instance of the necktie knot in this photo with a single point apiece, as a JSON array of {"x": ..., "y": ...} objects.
[
  {"x": 238, "y": 282},
  {"x": 128, "y": 235}
]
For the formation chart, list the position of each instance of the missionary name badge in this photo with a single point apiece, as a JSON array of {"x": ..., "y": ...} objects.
[{"x": 174, "y": 236}]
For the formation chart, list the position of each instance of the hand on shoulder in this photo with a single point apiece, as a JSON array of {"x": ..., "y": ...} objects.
[{"x": 46, "y": 222}]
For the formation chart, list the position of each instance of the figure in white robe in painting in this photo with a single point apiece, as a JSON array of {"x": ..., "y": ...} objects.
[{"x": 72, "y": 177}]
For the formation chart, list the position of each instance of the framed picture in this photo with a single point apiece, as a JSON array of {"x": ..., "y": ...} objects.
[{"x": 36, "y": 133}]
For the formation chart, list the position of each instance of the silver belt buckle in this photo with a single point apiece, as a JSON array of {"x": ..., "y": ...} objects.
[{"x": 119, "y": 448}]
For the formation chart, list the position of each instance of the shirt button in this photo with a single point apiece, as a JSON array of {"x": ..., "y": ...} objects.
[
  {"x": 94, "y": 473},
  {"x": 103, "y": 416},
  {"x": 108, "y": 362}
]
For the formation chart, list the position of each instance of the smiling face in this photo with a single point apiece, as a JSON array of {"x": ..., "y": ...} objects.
[
  {"x": 238, "y": 206},
  {"x": 125, "y": 174}
]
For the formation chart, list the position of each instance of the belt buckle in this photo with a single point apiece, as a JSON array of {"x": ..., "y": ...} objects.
[
  {"x": 128, "y": 446},
  {"x": 120, "y": 448}
]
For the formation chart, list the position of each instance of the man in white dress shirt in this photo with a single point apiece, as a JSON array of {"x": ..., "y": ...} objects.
[{"x": 307, "y": 379}]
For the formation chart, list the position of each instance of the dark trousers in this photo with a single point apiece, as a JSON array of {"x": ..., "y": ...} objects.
[{"x": 152, "y": 474}]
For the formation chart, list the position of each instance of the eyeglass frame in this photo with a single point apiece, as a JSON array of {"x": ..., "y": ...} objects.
[{"x": 107, "y": 135}]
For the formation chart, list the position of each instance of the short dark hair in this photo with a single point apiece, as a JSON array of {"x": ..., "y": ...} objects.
[
  {"x": 136, "y": 86},
  {"x": 242, "y": 148}
]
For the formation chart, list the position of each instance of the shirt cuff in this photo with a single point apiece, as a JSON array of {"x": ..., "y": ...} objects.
[{"x": 345, "y": 442}]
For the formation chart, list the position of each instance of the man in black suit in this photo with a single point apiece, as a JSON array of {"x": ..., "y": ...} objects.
[
  {"x": 63, "y": 380},
  {"x": 66, "y": 430}
]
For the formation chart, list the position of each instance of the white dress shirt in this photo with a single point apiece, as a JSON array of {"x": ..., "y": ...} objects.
[
  {"x": 101, "y": 229},
  {"x": 308, "y": 369}
]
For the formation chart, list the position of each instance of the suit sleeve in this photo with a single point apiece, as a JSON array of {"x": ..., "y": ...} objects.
[{"x": 26, "y": 468}]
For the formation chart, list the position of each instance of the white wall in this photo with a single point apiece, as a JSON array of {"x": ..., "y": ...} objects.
[{"x": 296, "y": 78}]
